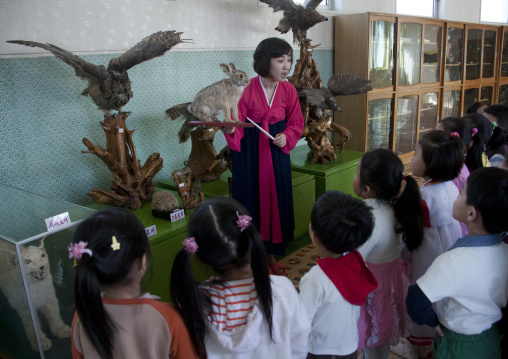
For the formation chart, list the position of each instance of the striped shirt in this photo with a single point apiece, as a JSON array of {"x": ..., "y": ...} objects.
[{"x": 232, "y": 302}]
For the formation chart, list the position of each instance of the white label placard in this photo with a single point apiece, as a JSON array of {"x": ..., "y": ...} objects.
[
  {"x": 57, "y": 221},
  {"x": 177, "y": 214},
  {"x": 150, "y": 231}
]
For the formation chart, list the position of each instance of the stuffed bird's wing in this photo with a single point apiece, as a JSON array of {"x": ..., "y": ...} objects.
[
  {"x": 84, "y": 69},
  {"x": 284, "y": 5},
  {"x": 348, "y": 84},
  {"x": 312, "y": 4},
  {"x": 150, "y": 47},
  {"x": 313, "y": 97}
]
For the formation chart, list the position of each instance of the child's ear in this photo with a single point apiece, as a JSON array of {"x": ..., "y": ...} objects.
[
  {"x": 367, "y": 192},
  {"x": 143, "y": 262},
  {"x": 472, "y": 214},
  {"x": 312, "y": 235}
]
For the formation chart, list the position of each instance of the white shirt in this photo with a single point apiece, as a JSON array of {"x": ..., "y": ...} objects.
[{"x": 470, "y": 285}]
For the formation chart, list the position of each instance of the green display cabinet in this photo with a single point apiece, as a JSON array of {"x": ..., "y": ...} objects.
[
  {"x": 164, "y": 245},
  {"x": 336, "y": 175},
  {"x": 303, "y": 195}
]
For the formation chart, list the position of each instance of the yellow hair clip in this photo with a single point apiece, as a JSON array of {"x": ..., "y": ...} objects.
[{"x": 115, "y": 245}]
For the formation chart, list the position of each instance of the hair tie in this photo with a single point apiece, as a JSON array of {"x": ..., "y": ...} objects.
[
  {"x": 454, "y": 134},
  {"x": 115, "y": 245},
  {"x": 190, "y": 245},
  {"x": 243, "y": 221},
  {"x": 404, "y": 177},
  {"x": 76, "y": 250},
  {"x": 494, "y": 125},
  {"x": 474, "y": 131}
]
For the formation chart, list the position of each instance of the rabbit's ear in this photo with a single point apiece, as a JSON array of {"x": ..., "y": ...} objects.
[
  {"x": 232, "y": 67},
  {"x": 226, "y": 69}
]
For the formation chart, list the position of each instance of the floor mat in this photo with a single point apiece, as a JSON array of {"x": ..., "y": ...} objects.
[{"x": 300, "y": 262}]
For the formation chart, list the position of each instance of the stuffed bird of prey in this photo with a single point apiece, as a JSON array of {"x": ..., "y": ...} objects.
[
  {"x": 296, "y": 17},
  {"x": 338, "y": 85},
  {"x": 110, "y": 88}
]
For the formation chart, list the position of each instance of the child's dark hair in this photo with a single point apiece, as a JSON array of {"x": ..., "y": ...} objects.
[
  {"x": 106, "y": 267},
  {"x": 474, "y": 107},
  {"x": 481, "y": 123},
  {"x": 487, "y": 191},
  {"x": 341, "y": 223},
  {"x": 268, "y": 49},
  {"x": 223, "y": 246},
  {"x": 381, "y": 170},
  {"x": 473, "y": 158},
  {"x": 498, "y": 138},
  {"x": 443, "y": 155}
]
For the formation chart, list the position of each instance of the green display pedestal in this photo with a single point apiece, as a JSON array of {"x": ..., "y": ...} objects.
[
  {"x": 303, "y": 195},
  {"x": 164, "y": 245},
  {"x": 336, "y": 175}
]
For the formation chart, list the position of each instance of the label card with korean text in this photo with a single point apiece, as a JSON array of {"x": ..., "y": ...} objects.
[
  {"x": 177, "y": 214},
  {"x": 58, "y": 221},
  {"x": 150, "y": 231}
]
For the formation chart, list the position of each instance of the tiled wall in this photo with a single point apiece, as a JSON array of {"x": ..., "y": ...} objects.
[{"x": 43, "y": 117}]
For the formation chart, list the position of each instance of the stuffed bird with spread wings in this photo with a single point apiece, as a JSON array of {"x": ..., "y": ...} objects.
[
  {"x": 296, "y": 17},
  {"x": 110, "y": 88}
]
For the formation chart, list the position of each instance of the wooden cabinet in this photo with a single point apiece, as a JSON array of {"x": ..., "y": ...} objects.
[
  {"x": 503, "y": 67},
  {"x": 421, "y": 70}
]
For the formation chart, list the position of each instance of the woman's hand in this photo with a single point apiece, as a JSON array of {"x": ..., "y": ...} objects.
[{"x": 280, "y": 140}]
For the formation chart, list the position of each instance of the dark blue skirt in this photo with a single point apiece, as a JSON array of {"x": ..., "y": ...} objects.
[{"x": 246, "y": 183}]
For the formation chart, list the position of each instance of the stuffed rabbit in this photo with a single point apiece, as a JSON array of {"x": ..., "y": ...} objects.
[{"x": 220, "y": 96}]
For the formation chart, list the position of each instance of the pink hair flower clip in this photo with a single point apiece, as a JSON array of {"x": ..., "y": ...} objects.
[
  {"x": 454, "y": 134},
  {"x": 474, "y": 131},
  {"x": 76, "y": 250},
  {"x": 190, "y": 245},
  {"x": 243, "y": 221}
]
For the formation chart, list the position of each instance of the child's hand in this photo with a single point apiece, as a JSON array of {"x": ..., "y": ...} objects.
[
  {"x": 440, "y": 331},
  {"x": 280, "y": 140}
]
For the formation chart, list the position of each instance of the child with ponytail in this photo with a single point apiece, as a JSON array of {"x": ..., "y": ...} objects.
[
  {"x": 396, "y": 205},
  {"x": 111, "y": 253},
  {"x": 244, "y": 312},
  {"x": 439, "y": 157},
  {"x": 477, "y": 156}
]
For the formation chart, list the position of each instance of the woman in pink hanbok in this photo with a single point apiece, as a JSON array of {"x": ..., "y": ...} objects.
[{"x": 261, "y": 167}]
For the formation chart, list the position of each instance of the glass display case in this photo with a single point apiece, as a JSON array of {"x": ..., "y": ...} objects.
[
  {"x": 432, "y": 45},
  {"x": 503, "y": 95},
  {"x": 489, "y": 54},
  {"x": 454, "y": 54},
  {"x": 451, "y": 102},
  {"x": 471, "y": 95},
  {"x": 486, "y": 95},
  {"x": 406, "y": 124},
  {"x": 428, "y": 111},
  {"x": 382, "y": 43},
  {"x": 37, "y": 278},
  {"x": 474, "y": 54},
  {"x": 410, "y": 47},
  {"x": 379, "y": 126},
  {"x": 504, "y": 53}
]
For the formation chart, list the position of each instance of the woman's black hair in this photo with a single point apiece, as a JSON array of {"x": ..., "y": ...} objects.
[
  {"x": 474, "y": 158},
  {"x": 474, "y": 107},
  {"x": 487, "y": 191},
  {"x": 269, "y": 49},
  {"x": 497, "y": 110},
  {"x": 106, "y": 267},
  {"x": 341, "y": 222},
  {"x": 222, "y": 246},
  {"x": 443, "y": 155},
  {"x": 381, "y": 170},
  {"x": 473, "y": 153}
]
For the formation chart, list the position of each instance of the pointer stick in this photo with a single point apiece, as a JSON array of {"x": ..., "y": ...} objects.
[{"x": 255, "y": 124}]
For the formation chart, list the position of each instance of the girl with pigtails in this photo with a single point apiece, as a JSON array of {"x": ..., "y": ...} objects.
[
  {"x": 396, "y": 205},
  {"x": 112, "y": 253},
  {"x": 438, "y": 159},
  {"x": 243, "y": 312}
]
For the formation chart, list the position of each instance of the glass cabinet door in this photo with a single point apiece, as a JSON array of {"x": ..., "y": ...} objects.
[
  {"x": 489, "y": 54},
  {"x": 486, "y": 95},
  {"x": 379, "y": 123},
  {"x": 382, "y": 41},
  {"x": 407, "y": 120},
  {"x": 451, "y": 103},
  {"x": 432, "y": 42},
  {"x": 428, "y": 111},
  {"x": 473, "y": 54},
  {"x": 410, "y": 53},
  {"x": 454, "y": 48},
  {"x": 504, "y": 56},
  {"x": 503, "y": 95},
  {"x": 470, "y": 97}
]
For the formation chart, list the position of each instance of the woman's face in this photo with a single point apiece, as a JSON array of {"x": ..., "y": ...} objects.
[{"x": 279, "y": 68}]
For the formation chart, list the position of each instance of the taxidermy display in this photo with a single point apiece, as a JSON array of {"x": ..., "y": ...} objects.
[
  {"x": 296, "y": 17},
  {"x": 110, "y": 88},
  {"x": 163, "y": 203},
  {"x": 191, "y": 195},
  {"x": 220, "y": 96},
  {"x": 40, "y": 287}
]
